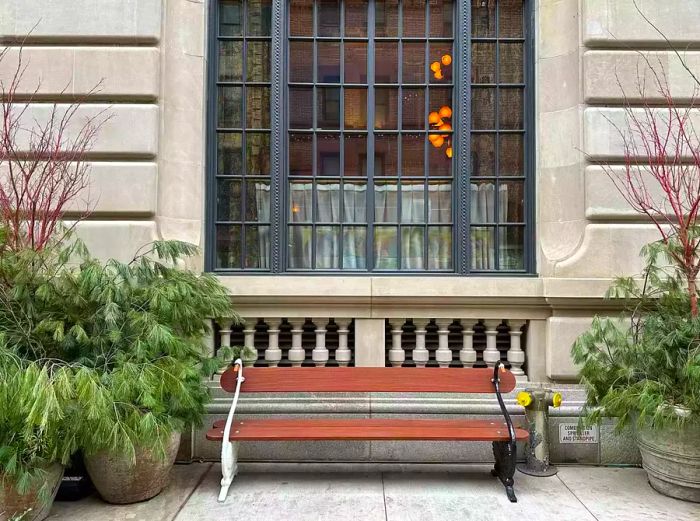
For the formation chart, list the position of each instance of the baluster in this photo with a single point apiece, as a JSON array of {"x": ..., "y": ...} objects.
[
  {"x": 491, "y": 353},
  {"x": 420, "y": 353},
  {"x": 208, "y": 340},
  {"x": 320, "y": 353},
  {"x": 467, "y": 355},
  {"x": 296, "y": 353},
  {"x": 443, "y": 355},
  {"x": 343, "y": 355},
  {"x": 250, "y": 353},
  {"x": 516, "y": 356},
  {"x": 225, "y": 340},
  {"x": 397, "y": 356},
  {"x": 273, "y": 353}
]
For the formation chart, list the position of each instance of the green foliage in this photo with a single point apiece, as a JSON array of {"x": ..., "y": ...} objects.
[
  {"x": 646, "y": 364},
  {"x": 131, "y": 333}
]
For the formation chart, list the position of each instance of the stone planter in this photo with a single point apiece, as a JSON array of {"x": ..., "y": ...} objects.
[
  {"x": 13, "y": 504},
  {"x": 119, "y": 482},
  {"x": 671, "y": 458}
]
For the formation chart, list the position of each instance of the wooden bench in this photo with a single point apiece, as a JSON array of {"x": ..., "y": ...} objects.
[{"x": 367, "y": 379}]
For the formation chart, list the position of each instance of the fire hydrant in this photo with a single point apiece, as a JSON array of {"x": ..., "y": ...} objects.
[{"x": 537, "y": 402}]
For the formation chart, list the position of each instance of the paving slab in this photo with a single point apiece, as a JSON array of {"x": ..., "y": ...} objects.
[
  {"x": 623, "y": 494},
  {"x": 475, "y": 495},
  {"x": 297, "y": 496},
  {"x": 164, "y": 507}
]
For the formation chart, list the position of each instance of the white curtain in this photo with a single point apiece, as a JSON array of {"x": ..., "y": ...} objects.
[
  {"x": 483, "y": 210},
  {"x": 262, "y": 207}
]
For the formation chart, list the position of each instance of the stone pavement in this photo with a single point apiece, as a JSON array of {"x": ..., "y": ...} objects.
[{"x": 469, "y": 493}]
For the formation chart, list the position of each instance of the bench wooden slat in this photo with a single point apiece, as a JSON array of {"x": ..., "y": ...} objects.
[
  {"x": 366, "y": 379},
  {"x": 366, "y": 429}
]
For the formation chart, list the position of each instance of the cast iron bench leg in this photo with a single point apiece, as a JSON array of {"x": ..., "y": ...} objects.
[{"x": 504, "y": 469}]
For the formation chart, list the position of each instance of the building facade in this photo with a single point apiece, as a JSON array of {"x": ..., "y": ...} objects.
[{"x": 483, "y": 228}]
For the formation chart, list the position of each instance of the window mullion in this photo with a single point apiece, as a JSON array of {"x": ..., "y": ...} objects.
[{"x": 278, "y": 126}]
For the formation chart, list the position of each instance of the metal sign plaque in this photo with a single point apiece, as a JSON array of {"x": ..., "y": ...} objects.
[{"x": 569, "y": 433}]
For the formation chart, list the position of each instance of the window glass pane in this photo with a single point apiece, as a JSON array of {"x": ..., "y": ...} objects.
[
  {"x": 510, "y": 109},
  {"x": 327, "y": 247},
  {"x": 328, "y": 161},
  {"x": 328, "y": 202},
  {"x": 511, "y": 62},
  {"x": 441, "y": 62},
  {"x": 413, "y": 63},
  {"x": 228, "y": 246},
  {"x": 257, "y": 201},
  {"x": 356, "y": 62},
  {"x": 412, "y": 243},
  {"x": 483, "y": 202},
  {"x": 258, "y": 107},
  {"x": 328, "y": 116},
  {"x": 228, "y": 200},
  {"x": 386, "y": 110},
  {"x": 414, "y": 18},
  {"x": 354, "y": 247},
  {"x": 301, "y": 64},
  {"x": 259, "y": 17},
  {"x": 300, "y": 154},
  {"x": 258, "y": 62},
  {"x": 300, "y": 247},
  {"x": 440, "y": 157},
  {"x": 413, "y": 108},
  {"x": 386, "y": 18},
  {"x": 386, "y": 248},
  {"x": 412, "y": 202},
  {"x": 483, "y": 109},
  {"x": 483, "y": 62},
  {"x": 301, "y": 18},
  {"x": 511, "y": 200},
  {"x": 510, "y": 18},
  {"x": 511, "y": 248},
  {"x": 356, "y": 18},
  {"x": 483, "y": 155},
  {"x": 301, "y": 111},
  {"x": 355, "y": 155},
  {"x": 484, "y": 18},
  {"x": 385, "y": 202},
  {"x": 257, "y": 247},
  {"x": 328, "y": 62},
  {"x": 229, "y": 154},
  {"x": 440, "y": 248},
  {"x": 386, "y": 62},
  {"x": 257, "y": 153},
  {"x": 355, "y": 109},
  {"x": 440, "y": 202},
  {"x": 230, "y": 107},
  {"x": 482, "y": 248},
  {"x": 412, "y": 154},
  {"x": 355, "y": 202},
  {"x": 301, "y": 201},
  {"x": 441, "y": 18},
  {"x": 386, "y": 155},
  {"x": 510, "y": 155},
  {"x": 230, "y": 18},
  {"x": 328, "y": 17},
  {"x": 231, "y": 61}
]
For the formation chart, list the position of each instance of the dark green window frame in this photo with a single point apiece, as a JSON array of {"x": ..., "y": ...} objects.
[{"x": 465, "y": 229}]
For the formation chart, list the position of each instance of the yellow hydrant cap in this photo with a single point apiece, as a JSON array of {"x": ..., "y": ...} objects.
[
  {"x": 556, "y": 400},
  {"x": 524, "y": 398}
]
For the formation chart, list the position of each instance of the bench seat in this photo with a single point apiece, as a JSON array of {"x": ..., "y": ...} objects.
[{"x": 364, "y": 429}]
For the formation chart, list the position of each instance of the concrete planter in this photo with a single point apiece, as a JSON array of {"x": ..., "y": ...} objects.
[
  {"x": 120, "y": 482},
  {"x": 13, "y": 505},
  {"x": 671, "y": 458}
]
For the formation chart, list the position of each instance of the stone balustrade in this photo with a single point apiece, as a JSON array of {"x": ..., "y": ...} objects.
[{"x": 412, "y": 342}]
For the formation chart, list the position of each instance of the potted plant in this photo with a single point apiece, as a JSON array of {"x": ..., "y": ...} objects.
[
  {"x": 36, "y": 436},
  {"x": 645, "y": 368}
]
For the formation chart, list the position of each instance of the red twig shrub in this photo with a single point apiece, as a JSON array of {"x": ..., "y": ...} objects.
[{"x": 42, "y": 161}]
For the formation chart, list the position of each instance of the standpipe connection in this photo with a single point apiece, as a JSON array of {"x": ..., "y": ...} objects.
[{"x": 537, "y": 402}]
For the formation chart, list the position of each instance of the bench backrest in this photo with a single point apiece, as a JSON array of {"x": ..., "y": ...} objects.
[{"x": 366, "y": 379}]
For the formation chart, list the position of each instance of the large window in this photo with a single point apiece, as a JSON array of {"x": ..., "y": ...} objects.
[{"x": 349, "y": 136}]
